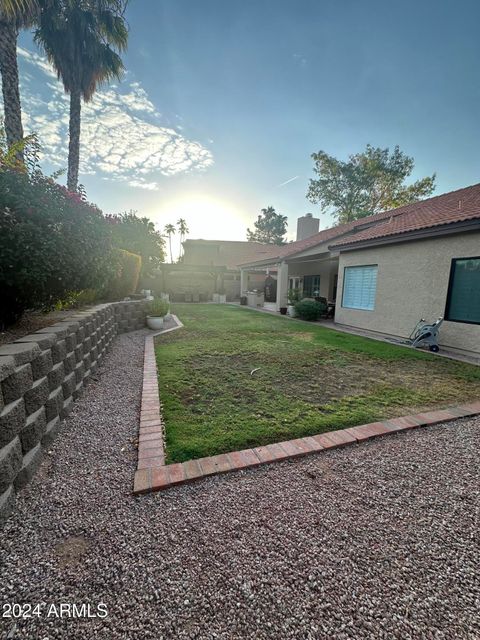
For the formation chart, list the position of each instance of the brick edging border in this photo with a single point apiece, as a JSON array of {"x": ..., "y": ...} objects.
[
  {"x": 151, "y": 437},
  {"x": 153, "y": 474}
]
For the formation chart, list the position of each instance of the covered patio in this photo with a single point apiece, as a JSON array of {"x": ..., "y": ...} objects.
[{"x": 313, "y": 271}]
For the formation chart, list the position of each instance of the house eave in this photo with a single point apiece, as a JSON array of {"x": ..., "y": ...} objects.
[{"x": 409, "y": 236}]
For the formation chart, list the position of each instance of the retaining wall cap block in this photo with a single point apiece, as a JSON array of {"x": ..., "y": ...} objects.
[
  {"x": 7, "y": 502},
  {"x": 21, "y": 352},
  {"x": 71, "y": 325},
  {"x": 44, "y": 340},
  {"x": 10, "y": 463},
  {"x": 12, "y": 419},
  {"x": 58, "y": 329},
  {"x": 80, "y": 320},
  {"x": 7, "y": 367}
]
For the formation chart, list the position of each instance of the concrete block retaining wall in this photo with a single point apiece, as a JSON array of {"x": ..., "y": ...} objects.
[{"x": 41, "y": 375}]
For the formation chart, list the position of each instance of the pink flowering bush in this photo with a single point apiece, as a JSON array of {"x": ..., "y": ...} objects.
[{"x": 52, "y": 242}]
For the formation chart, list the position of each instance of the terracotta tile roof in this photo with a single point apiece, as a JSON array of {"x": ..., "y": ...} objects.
[
  {"x": 449, "y": 208},
  {"x": 292, "y": 248},
  {"x": 439, "y": 210}
]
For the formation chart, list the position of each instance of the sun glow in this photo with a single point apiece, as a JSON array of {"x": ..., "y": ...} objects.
[{"x": 207, "y": 217}]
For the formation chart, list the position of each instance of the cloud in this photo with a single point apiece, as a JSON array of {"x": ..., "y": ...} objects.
[
  {"x": 123, "y": 137},
  {"x": 282, "y": 184}
]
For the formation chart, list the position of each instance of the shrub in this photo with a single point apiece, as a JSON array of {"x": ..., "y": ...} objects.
[
  {"x": 158, "y": 307},
  {"x": 78, "y": 299},
  {"x": 138, "y": 235},
  {"x": 52, "y": 242},
  {"x": 309, "y": 309},
  {"x": 127, "y": 272}
]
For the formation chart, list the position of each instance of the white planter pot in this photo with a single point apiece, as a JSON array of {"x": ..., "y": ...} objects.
[
  {"x": 291, "y": 311},
  {"x": 155, "y": 323},
  {"x": 222, "y": 298}
]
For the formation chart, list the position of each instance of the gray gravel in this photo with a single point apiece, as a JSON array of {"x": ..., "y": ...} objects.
[{"x": 378, "y": 540}]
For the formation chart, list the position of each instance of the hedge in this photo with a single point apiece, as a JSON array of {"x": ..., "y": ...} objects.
[{"x": 127, "y": 273}]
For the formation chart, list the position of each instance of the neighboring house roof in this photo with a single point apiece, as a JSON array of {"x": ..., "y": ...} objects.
[
  {"x": 450, "y": 208},
  {"x": 229, "y": 253},
  {"x": 454, "y": 207}
]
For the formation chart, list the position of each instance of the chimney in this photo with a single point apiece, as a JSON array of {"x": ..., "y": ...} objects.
[{"x": 307, "y": 226}]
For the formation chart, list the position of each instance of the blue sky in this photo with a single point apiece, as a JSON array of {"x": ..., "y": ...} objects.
[{"x": 224, "y": 101}]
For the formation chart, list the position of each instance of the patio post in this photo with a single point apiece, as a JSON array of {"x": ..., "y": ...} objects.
[
  {"x": 243, "y": 281},
  {"x": 282, "y": 285}
]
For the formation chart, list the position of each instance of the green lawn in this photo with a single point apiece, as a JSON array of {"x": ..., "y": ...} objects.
[{"x": 308, "y": 379}]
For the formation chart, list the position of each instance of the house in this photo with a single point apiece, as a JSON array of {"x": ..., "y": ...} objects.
[
  {"x": 208, "y": 267},
  {"x": 386, "y": 271}
]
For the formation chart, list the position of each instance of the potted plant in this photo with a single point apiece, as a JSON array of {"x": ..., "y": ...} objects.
[
  {"x": 293, "y": 297},
  {"x": 157, "y": 309}
]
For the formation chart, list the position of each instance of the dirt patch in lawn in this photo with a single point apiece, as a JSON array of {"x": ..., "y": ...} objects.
[{"x": 320, "y": 377}]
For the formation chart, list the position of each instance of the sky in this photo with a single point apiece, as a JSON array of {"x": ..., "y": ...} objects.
[{"x": 223, "y": 103}]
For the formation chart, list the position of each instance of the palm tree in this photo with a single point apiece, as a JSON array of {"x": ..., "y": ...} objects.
[
  {"x": 77, "y": 37},
  {"x": 182, "y": 230},
  {"x": 14, "y": 14},
  {"x": 170, "y": 230}
]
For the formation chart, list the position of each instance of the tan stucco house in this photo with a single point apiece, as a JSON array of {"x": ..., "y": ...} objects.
[{"x": 386, "y": 271}]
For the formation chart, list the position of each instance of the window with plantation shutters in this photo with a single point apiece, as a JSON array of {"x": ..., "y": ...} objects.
[
  {"x": 463, "y": 303},
  {"x": 360, "y": 287}
]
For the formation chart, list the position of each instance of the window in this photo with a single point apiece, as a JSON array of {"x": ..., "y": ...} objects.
[
  {"x": 311, "y": 286},
  {"x": 360, "y": 287},
  {"x": 294, "y": 282},
  {"x": 463, "y": 300}
]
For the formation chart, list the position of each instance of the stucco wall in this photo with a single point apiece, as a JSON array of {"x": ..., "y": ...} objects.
[
  {"x": 41, "y": 375},
  {"x": 412, "y": 283}
]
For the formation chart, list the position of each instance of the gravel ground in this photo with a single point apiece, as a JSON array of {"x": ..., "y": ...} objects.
[{"x": 378, "y": 540}]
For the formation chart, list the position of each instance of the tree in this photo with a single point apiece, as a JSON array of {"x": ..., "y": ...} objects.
[
  {"x": 79, "y": 38},
  {"x": 14, "y": 14},
  {"x": 368, "y": 183},
  {"x": 182, "y": 230},
  {"x": 138, "y": 235},
  {"x": 170, "y": 230},
  {"x": 270, "y": 227}
]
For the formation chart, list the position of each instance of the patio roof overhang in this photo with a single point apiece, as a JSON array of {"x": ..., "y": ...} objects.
[{"x": 319, "y": 252}]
